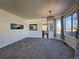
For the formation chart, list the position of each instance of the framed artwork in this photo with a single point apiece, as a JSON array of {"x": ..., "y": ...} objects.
[
  {"x": 32, "y": 27},
  {"x": 17, "y": 26}
]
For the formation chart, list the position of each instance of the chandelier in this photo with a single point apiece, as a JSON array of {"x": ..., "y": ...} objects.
[{"x": 50, "y": 17}]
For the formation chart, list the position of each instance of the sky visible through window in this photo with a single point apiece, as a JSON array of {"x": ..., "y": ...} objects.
[
  {"x": 58, "y": 21},
  {"x": 68, "y": 23},
  {"x": 74, "y": 21}
]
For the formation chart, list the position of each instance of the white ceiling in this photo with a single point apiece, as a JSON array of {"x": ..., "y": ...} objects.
[{"x": 30, "y": 9}]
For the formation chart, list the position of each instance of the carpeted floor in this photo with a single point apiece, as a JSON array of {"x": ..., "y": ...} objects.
[{"x": 32, "y": 48}]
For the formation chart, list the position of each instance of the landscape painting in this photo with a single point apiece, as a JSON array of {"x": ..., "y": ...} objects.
[
  {"x": 32, "y": 27},
  {"x": 16, "y": 26}
]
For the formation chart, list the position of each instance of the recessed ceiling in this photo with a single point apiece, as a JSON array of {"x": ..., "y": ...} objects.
[{"x": 34, "y": 9}]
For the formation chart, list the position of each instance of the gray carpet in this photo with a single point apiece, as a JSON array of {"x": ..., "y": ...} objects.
[{"x": 31, "y": 48}]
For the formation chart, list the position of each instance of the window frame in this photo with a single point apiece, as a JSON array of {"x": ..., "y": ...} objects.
[{"x": 72, "y": 24}]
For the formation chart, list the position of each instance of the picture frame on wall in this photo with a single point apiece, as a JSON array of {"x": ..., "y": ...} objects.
[
  {"x": 16, "y": 26},
  {"x": 32, "y": 27}
]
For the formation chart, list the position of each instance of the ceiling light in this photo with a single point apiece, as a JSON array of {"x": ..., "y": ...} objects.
[{"x": 50, "y": 17}]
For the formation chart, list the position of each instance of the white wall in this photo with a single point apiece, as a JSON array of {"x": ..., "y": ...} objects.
[
  {"x": 71, "y": 41},
  {"x": 38, "y": 32},
  {"x": 8, "y": 36}
]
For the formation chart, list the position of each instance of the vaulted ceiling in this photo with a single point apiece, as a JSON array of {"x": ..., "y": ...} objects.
[{"x": 30, "y": 9}]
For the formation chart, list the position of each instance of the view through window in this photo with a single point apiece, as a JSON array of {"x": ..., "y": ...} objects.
[{"x": 71, "y": 24}]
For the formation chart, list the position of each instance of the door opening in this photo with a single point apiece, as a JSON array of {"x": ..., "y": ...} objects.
[{"x": 44, "y": 31}]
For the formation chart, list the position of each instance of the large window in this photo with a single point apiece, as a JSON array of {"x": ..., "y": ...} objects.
[
  {"x": 68, "y": 25},
  {"x": 58, "y": 30},
  {"x": 71, "y": 25},
  {"x": 74, "y": 22}
]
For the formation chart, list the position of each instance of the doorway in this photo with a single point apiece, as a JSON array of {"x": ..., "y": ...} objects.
[{"x": 44, "y": 31}]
